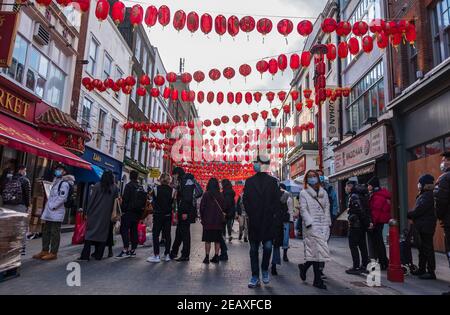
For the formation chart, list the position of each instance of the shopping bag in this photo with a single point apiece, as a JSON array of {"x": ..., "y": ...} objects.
[
  {"x": 116, "y": 229},
  {"x": 291, "y": 230},
  {"x": 117, "y": 211},
  {"x": 80, "y": 231},
  {"x": 142, "y": 233}
]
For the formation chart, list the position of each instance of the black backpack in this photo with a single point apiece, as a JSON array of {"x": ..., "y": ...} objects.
[
  {"x": 139, "y": 199},
  {"x": 190, "y": 191},
  {"x": 364, "y": 197},
  {"x": 70, "y": 202}
]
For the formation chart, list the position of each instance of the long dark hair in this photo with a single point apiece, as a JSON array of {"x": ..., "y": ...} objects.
[
  {"x": 213, "y": 187},
  {"x": 226, "y": 185},
  {"x": 107, "y": 182}
]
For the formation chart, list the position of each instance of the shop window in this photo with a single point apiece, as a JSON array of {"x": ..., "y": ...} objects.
[
  {"x": 433, "y": 148},
  {"x": 18, "y": 59}
]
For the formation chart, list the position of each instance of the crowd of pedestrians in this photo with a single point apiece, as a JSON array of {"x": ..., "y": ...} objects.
[{"x": 265, "y": 211}]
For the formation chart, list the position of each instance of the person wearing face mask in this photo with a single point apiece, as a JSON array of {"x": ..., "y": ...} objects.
[
  {"x": 54, "y": 213},
  {"x": 424, "y": 220},
  {"x": 16, "y": 194},
  {"x": 442, "y": 200},
  {"x": 315, "y": 212},
  {"x": 261, "y": 202}
]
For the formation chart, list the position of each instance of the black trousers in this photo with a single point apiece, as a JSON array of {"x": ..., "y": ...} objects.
[
  {"x": 427, "y": 260},
  {"x": 129, "y": 230},
  {"x": 376, "y": 244},
  {"x": 99, "y": 250},
  {"x": 447, "y": 239},
  {"x": 110, "y": 240},
  {"x": 317, "y": 267},
  {"x": 182, "y": 235},
  {"x": 162, "y": 224},
  {"x": 358, "y": 244}
]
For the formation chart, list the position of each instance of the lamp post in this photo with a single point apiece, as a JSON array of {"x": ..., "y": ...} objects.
[{"x": 318, "y": 51}]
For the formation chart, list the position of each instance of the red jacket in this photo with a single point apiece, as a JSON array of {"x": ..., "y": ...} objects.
[{"x": 380, "y": 206}]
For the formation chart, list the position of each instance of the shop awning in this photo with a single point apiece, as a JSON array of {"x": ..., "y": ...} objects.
[
  {"x": 20, "y": 136},
  {"x": 86, "y": 176},
  {"x": 358, "y": 170}
]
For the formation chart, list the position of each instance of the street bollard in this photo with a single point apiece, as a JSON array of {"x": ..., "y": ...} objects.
[{"x": 395, "y": 271}]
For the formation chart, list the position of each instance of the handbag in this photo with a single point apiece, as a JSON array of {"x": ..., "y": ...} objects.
[
  {"x": 116, "y": 229},
  {"x": 80, "y": 230},
  {"x": 117, "y": 211},
  {"x": 224, "y": 216}
]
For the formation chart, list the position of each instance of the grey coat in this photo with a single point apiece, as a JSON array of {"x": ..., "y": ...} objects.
[{"x": 99, "y": 212}]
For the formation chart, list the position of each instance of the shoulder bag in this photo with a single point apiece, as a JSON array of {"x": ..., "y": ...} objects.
[{"x": 223, "y": 215}]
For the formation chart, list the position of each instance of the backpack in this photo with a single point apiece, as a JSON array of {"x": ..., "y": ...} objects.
[
  {"x": 12, "y": 192},
  {"x": 190, "y": 191},
  {"x": 70, "y": 202},
  {"x": 140, "y": 199}
]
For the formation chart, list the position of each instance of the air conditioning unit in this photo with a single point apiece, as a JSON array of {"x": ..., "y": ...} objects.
[
  {"x": 419, "y": 74},
  {"x": 41, "y": 35}
]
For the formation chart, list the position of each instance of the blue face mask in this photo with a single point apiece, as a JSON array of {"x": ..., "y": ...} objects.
[
  {"x": 257, "y": 167},
  {"x": 58, "y": 173},
  {"x": 322, "y": 179},
  {"x": 312, "y": 181}
]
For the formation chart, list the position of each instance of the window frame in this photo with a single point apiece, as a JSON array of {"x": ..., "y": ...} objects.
[{"x": 91, "y": 68}]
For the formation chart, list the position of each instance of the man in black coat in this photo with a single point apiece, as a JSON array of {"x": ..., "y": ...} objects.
[
  {"x": 424, "y": 219},
  {"x": 442, "y": 199},
  {"x": 261, "y": 201}
]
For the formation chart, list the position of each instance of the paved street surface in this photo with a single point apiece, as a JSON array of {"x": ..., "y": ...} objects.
[{"x": 136, "y": 276}]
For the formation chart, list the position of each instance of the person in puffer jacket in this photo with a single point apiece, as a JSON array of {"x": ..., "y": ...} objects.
[
  {"x": 424, "y": 218},
  {"x": 380, "y": 210}
]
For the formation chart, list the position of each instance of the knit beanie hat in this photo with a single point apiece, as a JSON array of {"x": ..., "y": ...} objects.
[{"x": 374, "y": 182}]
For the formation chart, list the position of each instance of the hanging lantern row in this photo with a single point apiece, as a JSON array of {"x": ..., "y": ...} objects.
[{"x": 247, "y": 24}]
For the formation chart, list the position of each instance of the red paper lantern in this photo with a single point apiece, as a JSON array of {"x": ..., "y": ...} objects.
[
  {"x": 210, "y": 97},
  {"x": 131, "y": 81},
  {"x": 282, "y": 95},
  {"x": 220, "y": 24},
  {"x": 257, "y": 96},
  {"x": 321, "y": 82},
  {"x": 305, "y": 59},
  {"x": 332, "y": 52},
  {"x": 174, "y": 95},
  {"x": 285, "y": 27},
  {"x": 346, "y": 92},
  {"x": 264, "y": 27},
  {"x": 270, "y": 96},
  {"x": 299, "y": 106},
  {"x": 83, "y": 5},
  {"x": 63, "y": 3},
  {"x": 207, "y": 123},
  {"x": 264, "y": 114},
  {"x": 233, "y": 25},
  {"x": 307, "y": 93},
  {"x": 192, "y": 22},
  {"x": 186, "y": 78},
  {"x": 229, "y": 73},
  {"x": 309, "y": 103},
  {"x": 118, "y": 12},
  {"x": 199, "y": 76},
  {"x": 294, "y": 62},
  {"x": 353, "y": 46},
  {"x": 247, "y": 25},
  {"x": 396, "y": 39},
  {"x": 185, "y": 96},
  {"x": 360, "y": 28},
  {"x": 166, "y": 92},
  {"x": 220, "y": 97},
  {"x": 282, "y": 62},
  {"x": 343, "y": 50},
  {"x": 230, "y": 97},
  {"x": 225, "y": 120},
  {"x": 236, "y": 119},
  {"x": 329, "y": 25},
  {"x": 321, "y": 68},
  {"x": 164, "y": 15},
  {"x": 295, "y": 95},
  {"x": 382, "y": 40},
  {"x": 275, "y": 112},
  {"x": 136, "y": 15},
  {"x": 216, "y": 122},
  {"x": 238, "y": 98},
  {"x": 343, "y": 29},
  {"x": 392, "y": 28},
  {"x": 86, "y": 81},
  {"x": 245, "y": 70},
  {"x": 151, "y": 16},
  {"x": 145, "y": 80},
  {"x": 377, "y": 26},
  {"x": 287, "y": 109},
  {"x": 206, "y": 23},
  {"x": 200, "y": 97},
  {"x": 102, "y": 10},
  {"x": 159, "y": 80},
  {"x": 273, "y": 66},
  {"x": 367, "y": 44},
  {"x": 171, "y": 77},
  {"x": 262, "y": 66},
  {"x": 255, "y": 116},
  {"x": 248, "y": 98},
  {"x": 154, "y": 92},
  {"x": 411, "y": 34},
  {"x": 179, "y": 20},
  {"x": 305, "y": 28},
  {"x": 214, "y": 74}
]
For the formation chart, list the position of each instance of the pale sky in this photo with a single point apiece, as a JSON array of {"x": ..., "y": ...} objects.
[{"x": 203, "y": 53}]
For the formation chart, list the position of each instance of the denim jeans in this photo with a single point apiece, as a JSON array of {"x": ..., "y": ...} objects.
[
  {"x": 276, "y": 256},
  {"x": 286, "y": 227},
  {"x": 254, "y": 256}
]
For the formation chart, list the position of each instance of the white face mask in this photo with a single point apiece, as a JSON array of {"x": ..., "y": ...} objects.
[{"x": 443, "y": 166}]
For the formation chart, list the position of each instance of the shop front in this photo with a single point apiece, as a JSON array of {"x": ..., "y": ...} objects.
[
  {"x": 422, "y": 126},
  {"x": 22, "y": 142},
  {"x": 303, "y": 158}
]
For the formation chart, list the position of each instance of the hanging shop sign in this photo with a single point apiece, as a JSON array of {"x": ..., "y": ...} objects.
[
  {"x": 298, "y": 167},
  {"x": 362, "y": 149},
  {"x": 155, "y": 173},
  {"x": 333, "y": 120},
  {"x": 8, "y": 29}
]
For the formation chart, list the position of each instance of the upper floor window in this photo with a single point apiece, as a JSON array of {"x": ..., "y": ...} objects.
[
  {"x": 441, "y": 31},
  {"x": 37, "y": 72},
  {"x": 119, "y": 74},
  {"x": 101, "y": 128},
  {"x": 137, "y": 48},
  {"x": 18, "y": 60},
  {"x": 55, "y": 86},
  {"x": 112, "y": 139},
  {"x": 92, "y": 58},
  {"x": 107, "y": 66},
  {"x": 86, "y": 113}
]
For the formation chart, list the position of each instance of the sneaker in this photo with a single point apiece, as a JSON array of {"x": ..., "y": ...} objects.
[
  {"x": 428, "y": 276},
  {"x": 353, "y": 271},
  {"x": 301, "y": 268},
  {"x": 320, "y": 285},
  {"x": 154, "y": 259},
  {"x": 172, "y": 256},
  {"x": 364, "y": 270},
  {"x": 132, "y": 253},
  {"x": 265, "y": 277},
  {"x": 254, "y": 282},
  {"x": 123, "y": 254},
  {"x": 215, "y": 259},
  {"x": 167, "y": 258}
]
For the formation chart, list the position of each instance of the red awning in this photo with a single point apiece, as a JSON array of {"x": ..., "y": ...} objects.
[{"x": 22, "y": 137}]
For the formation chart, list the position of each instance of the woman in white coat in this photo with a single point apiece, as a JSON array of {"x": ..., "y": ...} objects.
[{"x": 315, "y": 212}]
